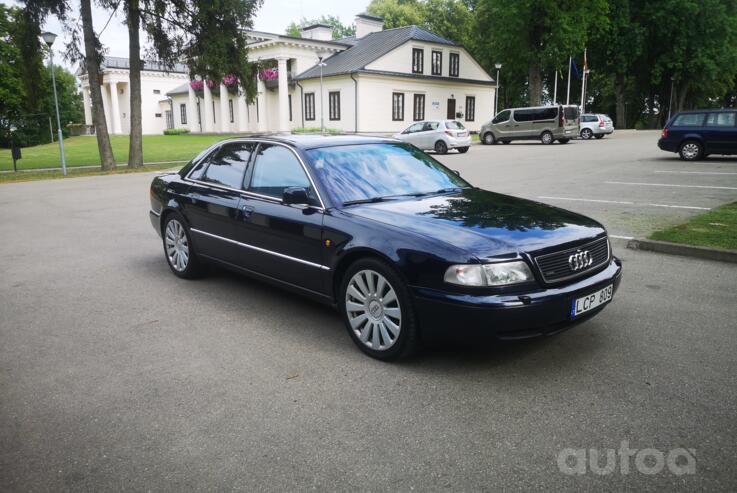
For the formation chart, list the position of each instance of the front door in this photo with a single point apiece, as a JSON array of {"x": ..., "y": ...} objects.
[
  {"x": 213, "y": 199},
  {"x": 451, "y": 109},
  {"x": 283, "y": 241}
]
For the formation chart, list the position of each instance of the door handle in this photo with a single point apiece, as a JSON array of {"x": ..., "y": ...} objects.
[{"x": 247, "y": 210}]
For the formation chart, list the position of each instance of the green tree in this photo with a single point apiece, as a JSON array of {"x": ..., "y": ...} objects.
[
  {"x": 398, "y": 13},
  {"x": 340, "y": 30},
  {"x": 71, "y": 108}
]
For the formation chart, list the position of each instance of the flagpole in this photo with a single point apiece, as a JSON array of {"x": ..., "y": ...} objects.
[
  {"x": 583, "y": 82},
  {"x": 555, "y": 90},
  {"x": 568, "y": 95}
]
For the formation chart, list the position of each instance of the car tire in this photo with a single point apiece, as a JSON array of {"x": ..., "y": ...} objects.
[
  {"x": 178, "y": 248},
  {"x": 547, "y": 137},
  {"x": 463, "y": 150},
  {"x": 564, "y": 141},
  {"x": 586, "y": 133},
  {"x": 441, "y": 147},
  {"x": 599, "y": 136},
  {"x": 488, "y": 139},
  {"x": 377, "y": 310},
  {"x": 691, "y": 150}
]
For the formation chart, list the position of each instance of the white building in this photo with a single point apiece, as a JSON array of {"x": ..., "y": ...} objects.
[{"x": 377, "y": 81}]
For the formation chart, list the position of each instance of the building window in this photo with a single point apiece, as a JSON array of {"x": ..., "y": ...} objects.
[
  {"x": 470, "y": 108},
  {"x": 290, "y": 107},
  {"x": 157, "y": 91},
  {"x": 455, "y": 63},
  {"x": 230, "y": 109},
  {"x": 183, "y": 114},
  {"x": 169, "y": 119},
  {"x": 310, "y": 106},
  {"x": 418, "y": 60},
  {"x": 334, "y": 105},
  {"x": 397, "y": 106},
  {"x": 418, "y": 112},
  {"x": 157, "y": 115},
  {"x": 437, "y": 62}
]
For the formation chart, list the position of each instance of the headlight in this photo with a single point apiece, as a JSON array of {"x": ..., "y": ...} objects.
[{"x": 501, "y": 274}]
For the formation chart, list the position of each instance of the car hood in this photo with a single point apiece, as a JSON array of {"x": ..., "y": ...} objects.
[{"x": 484, "y": 224}]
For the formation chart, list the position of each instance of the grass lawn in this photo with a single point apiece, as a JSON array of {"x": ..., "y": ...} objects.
[
  {"x": 76, "y": 172},
  {"x": 716, "y": 228},
  {"x": 82, "y": 150}
]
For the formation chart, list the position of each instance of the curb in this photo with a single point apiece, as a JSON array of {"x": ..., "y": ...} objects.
[{"x": 683, "y": 250}]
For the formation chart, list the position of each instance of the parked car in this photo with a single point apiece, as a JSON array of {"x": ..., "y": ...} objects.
[
  {"x": 696, "y": 134},
  {"x": 399, "y": 243},
  {"x": 438, "y": 135},
  {"x": 595, "y": 125},
  {"x": 546, "y": 123}
]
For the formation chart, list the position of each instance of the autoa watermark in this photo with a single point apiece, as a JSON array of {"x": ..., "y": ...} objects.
[{"x": 678, "y": 461}]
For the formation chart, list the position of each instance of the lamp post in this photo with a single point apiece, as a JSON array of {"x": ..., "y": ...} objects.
[
  {"x": 498, "y": 67},
  {"x": 670, "y": 99},
  {"x": 49, "y": 39},
  {"x": 321, "y": 64}
]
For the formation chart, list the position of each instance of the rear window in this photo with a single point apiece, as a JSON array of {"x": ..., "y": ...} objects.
[
  {"x": 726, "y": 119},
  {"x": 570, "y": 112},
  {"x": 454, "y": 125},
  {"x": 689, "y": 120}
]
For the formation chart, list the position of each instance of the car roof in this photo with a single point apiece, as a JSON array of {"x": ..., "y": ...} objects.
[
  {"x": 711, "y": 110},
  {"x": 313, "y": 141}
]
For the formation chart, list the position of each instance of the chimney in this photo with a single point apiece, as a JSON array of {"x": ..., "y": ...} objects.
[
  {"x": 367, "y": 24},
  {"x": 321, "y": 32}
]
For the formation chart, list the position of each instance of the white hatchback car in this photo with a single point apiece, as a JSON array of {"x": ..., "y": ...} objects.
[
  {"x": 438, "y": 135},
  {"x": 595, "y": 125}
]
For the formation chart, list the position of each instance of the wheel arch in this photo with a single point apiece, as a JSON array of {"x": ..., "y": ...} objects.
[{"x": 352, "y": 256}]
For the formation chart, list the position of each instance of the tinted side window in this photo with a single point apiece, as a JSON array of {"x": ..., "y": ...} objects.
[
  {"x": 228, "y": 166},
  {"x": 277, "y": 168},
  {"x": 547, "y": 114},
  {"x": 524, "y": 115},
  {"x": 689, "y": 120},
  {"x": 501, "y": 117},
  {"x": 726, "y": 119}
]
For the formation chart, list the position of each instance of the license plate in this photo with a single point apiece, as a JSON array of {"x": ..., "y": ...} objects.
[
  {"x": 587, "y": 303},
  {"x": 462, "y": 134}
]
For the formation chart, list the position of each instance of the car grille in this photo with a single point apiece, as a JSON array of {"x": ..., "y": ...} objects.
[{"x": 555, "y": 267}]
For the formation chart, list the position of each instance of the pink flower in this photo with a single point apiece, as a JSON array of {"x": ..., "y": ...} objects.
[
  {"x": 230, "y": 80},
  {"x": 269, "y": 74},
  {"x": 197, "y": 85},
  {"x": 210, "y": 83}
]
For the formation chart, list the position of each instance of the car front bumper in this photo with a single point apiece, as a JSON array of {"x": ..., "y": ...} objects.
[{"x": 518, "y": 316}]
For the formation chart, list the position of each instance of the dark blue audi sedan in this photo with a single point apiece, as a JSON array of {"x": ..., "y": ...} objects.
[
  {"x": 696, "y": 134},
  {"x": 396, "y": 241}
]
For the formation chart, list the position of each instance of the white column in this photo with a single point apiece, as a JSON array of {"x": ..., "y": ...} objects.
[
  {"x": 261, "y": 124},
  {"x": 242, "y": 115},
  {"x": 115, "y": 106},
  {"x": 283, "y": 95},
  {"x": 87, "y": 106},
  {"x": 106, "y": 105},
  {"x": 207, "y": 110},
  {"x": 192, "y": 111},
  {"x": 224, "y": 109}
]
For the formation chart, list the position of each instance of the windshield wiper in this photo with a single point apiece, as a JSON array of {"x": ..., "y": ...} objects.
[
  {"x": 370, "y": 200},
  {"x": 442, "y": 190}
]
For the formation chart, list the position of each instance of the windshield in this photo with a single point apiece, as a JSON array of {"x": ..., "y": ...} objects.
[{"x": 372, "y": 171}]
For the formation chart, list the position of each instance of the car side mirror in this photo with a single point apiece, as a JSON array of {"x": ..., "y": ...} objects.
[{"x": 295, "y": 196}]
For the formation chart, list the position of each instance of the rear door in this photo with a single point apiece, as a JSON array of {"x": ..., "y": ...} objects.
[
  {"x": 544, "y": 119},
  {"x": 522, "y": 126},
  {"x": 214, "y": 194},
  {"x": 721, "y": 134},
  {"x": 282, "y": 241}
]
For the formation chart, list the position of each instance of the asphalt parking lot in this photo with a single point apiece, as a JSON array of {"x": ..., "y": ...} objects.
[{"x": 114, "y": 374}]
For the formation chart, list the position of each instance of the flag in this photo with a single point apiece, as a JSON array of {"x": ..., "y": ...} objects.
[{"x": 575, "y": 69}]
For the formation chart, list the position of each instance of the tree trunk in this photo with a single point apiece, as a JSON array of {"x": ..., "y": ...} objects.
[
  {"x": 619, "y": 83},
  {"x": 535, "y": 85},
  {"x": 92, "y": 63},
  {"x": 135, "y": 152}
]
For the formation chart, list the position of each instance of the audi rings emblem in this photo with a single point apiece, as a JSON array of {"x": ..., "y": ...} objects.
[{"x": 580, "y": 260}]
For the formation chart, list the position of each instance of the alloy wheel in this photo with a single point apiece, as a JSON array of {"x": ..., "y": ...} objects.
[
  {"x": 177, "y": 245},
  {"x": 690, "y": 150},
  {"x": 586, "y": 134},
  {"x": 373, "y": 310}
]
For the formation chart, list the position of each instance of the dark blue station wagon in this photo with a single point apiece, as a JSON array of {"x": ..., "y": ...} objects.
[{"x": 696, "y": 134}]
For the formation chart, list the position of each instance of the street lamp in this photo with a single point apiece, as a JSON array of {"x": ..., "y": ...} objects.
[
  {"x": 498, "y": 67},
  {"x": 49, "y": 39},
  {"x": 321, "y": 64}
]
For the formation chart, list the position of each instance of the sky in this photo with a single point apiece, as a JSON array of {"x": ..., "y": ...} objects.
[{"x": 274, "y": 16}]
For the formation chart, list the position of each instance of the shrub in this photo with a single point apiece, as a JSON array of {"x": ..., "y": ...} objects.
[{"x": 176, "y": 131}]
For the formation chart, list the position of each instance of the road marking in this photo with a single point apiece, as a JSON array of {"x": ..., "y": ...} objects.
[
  {"x": 670, "y": 206},
  {"x": 698, "y": 172},
  {"x": 667, "y": 185}
]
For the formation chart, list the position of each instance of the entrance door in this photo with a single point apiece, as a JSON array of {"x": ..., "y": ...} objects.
[{"x": 451, "y": 109}]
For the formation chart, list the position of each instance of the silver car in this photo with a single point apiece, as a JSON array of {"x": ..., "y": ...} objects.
[
  {"x": 595, "y": 125},
  {"x": 438, "y": 135}
]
